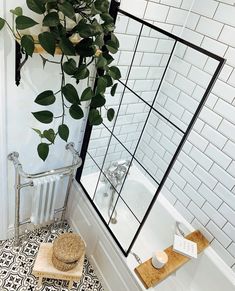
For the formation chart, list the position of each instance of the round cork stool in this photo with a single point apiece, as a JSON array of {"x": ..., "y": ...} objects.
[{"x": 68, "y": 250}]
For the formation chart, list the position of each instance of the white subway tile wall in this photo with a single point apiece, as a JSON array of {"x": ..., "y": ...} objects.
[{"x": 201, "y": 186}]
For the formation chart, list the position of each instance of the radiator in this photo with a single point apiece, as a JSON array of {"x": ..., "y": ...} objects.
[{"x": 44, "y": 198}]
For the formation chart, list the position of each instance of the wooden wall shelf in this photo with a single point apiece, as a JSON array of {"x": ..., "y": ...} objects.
[{"x": 150, "y": 276}]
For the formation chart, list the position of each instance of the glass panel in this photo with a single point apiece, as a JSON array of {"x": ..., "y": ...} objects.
[
  {"x": 90, "y": 176},
  {"x": 116, "y": 163},
  {"x": 105, "y": 198},
  {"x": 123, "y": 224},
  {"x": 187, "y": 77},
  {"x": 151, "y": 57},
  {"x": 98, "y": 145},
  {"x": 139, "y": 190},
  {"x": 158, "y": 145}
]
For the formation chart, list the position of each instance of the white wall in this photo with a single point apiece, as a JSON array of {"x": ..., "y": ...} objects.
[{"x": 18, "y": 107}]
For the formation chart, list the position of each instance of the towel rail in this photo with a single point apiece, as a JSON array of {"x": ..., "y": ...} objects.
[{"x": 20, "y": 173}]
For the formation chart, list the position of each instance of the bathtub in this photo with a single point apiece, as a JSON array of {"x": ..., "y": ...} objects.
[{"x": 207, "y": 272}]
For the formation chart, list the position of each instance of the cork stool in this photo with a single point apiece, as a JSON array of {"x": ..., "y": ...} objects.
[{"x": 62, "y": 260}]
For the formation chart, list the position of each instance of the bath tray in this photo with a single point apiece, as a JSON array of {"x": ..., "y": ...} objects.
[{"x": 150, "y": 276}]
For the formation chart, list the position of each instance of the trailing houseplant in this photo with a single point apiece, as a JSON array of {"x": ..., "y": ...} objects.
[{"x": 82, "y": 30}]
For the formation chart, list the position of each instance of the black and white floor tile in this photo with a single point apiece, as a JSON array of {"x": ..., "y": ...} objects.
[{"x": 16, "y": 265}]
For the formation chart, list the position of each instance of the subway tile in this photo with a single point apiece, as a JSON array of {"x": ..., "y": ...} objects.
[
  {"x": 190, "y": 178},
  {"x": 180, "y": 66},
  {"x": 184, "y": 84},
  {"x": 138, "y": 9},
  {"x": 230, "y": 56},
  {"x": 175, "y": 3},
  {"x": 223, "y": 253},
  {"x": 218, "y": 234},
  {"x": 176, "y": 16},
  {"x": 194, "y": 195},
  {"x": 192, "y": 21},
  {"x": 205, "y": 177},
  {"x": 133, "y": 27},
  {"x": 156, "y": 12},
  {"x": 209, "y": 27},
  {"x": 191, "y": 36},
  {"x": 229, "y": 149},
  {"x": 138, "y": 73},
  {"x": 199, "y": 77},
  {"x": 201, "y": 158},
  {"x": 187, "y": 161},
  {"x": 184, "y": 211},
  {"x": 214, "y": 136},
  {"x": 177, "y": 179},
  {"x": 210, "y": 196},
  {"x": 228, "y": 213},
  {"x": 231, "y": 249},
  {"x": 188, "y": 102},
  {"x": 222, "y": 176},
  {"x": 214, "y": 46},
  {"x": 210, "y": 117},
  {"x": 227, "y": 129},
  {"x": 226, "y": 110},
  {"x": 195, "y": 57},
  {"x": 225, "y": 14},
  {"x": 211, "y": 101},
  {"x": 127, "y": 42},
  {"x": 225, "y": 194},
  {"x": 218, "y": 156},
  {"x": 225, "y": 73},
  {"x": 227, "y": 35},
  {"x": 180, "y": 195},
  {"x": 207, "y": 8},
  {"x": 147, "y": 44},
  {"x": 211, "y": 66},
  {"x": 231, "y": 169},
  {"x": 231, "y": 79},
  {"x": 214, "y": 214},
  {"x": 151, "y": 60},
  {"x": 168, "y": 195},
  {"x": 198, "y": 213},
  {"x": 229, "y": 230},
  {"x": 198, "y": 141}
]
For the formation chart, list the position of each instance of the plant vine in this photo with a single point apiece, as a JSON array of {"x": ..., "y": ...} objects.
[{"x": 90, "y": 36}]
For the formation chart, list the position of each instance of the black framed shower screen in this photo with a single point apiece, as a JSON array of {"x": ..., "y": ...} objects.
[{"x": 114, "y": 11}]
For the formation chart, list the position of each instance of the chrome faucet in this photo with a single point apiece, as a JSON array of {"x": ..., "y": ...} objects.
[{"x": 116, "y": 172}]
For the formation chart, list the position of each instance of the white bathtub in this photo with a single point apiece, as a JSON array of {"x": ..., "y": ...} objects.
[{"x": 207, "y": 273}]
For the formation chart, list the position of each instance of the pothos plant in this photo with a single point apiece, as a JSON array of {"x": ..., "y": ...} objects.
[{"x": 91, "y": 21}]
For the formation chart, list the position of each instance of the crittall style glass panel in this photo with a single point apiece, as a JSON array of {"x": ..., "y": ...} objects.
[{"x": 165, "y": 82}]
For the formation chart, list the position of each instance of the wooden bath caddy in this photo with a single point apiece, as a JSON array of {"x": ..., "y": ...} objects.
[{"x": 150, "y": 276}]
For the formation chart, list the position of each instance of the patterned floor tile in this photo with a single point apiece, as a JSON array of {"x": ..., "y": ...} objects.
[{"x": 16, "y": 265}]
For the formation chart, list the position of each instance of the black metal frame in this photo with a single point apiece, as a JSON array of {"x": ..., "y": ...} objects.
[{"x": 114, "y": 10}]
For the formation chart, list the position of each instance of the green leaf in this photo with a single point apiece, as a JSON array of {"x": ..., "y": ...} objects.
[
  {"x": 43, "y": 116},
  {"x": 108, "y": 57},
  {"x": 51, "y": 19},
  {"x": 114, "y": 88},
  {"x": 23, "y": 22},
  {"x": 101, "y": 62},
  {"x": 49, "y": 135},
  {"x": 97, "y": 101},
  {"x": 95, "y": 117},
  {"x": 2, "y": 23},
  {"x": 86, "y": 48},
  {"x": 18, "y": 11},
  {"x": 71, "y": 94},
  {"x": 63, "y": 132},
  {"x": 76, "y": 112},
  {"x": 27, "y": 43},
  {"x": 38, "y": 132},
  {"x": 99, "y": 41},
  {"x": 115, "y": 73},
  {"x": 43, "y": 151},
  {"x": 102, "y": 6},
  {"x": 112, "y": 47},
  {"x": 106, "y": 17},
  {"x": 82, "y": 72},
  {"x": 45, "y": 98},
  {"x": 109, "y": 80},
  {"x": 67, "y": 46},
  {"x": 87, "y": 94},
  {"x": 68, "y": 10},
  {"x": 110, "y": 114},
  {"x": 101, "y": 85},
  {"x": 36, "y": 6},
  {"x": 48, "y": 42},
  {"x": 70, "y": 67}
]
